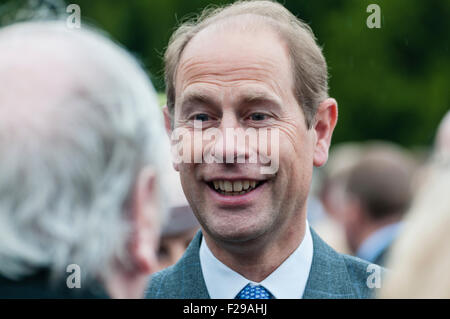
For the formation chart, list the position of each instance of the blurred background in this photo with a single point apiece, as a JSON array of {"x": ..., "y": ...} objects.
[{"x": 391, "y": 84}]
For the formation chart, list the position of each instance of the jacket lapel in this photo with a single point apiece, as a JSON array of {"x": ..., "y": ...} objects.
[
  {"x": 328, "y": 277},
  {"x": 192, "y": 281}
]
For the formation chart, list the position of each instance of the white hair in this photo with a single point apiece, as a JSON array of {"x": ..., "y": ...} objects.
[{"x": 66, "y": 175}]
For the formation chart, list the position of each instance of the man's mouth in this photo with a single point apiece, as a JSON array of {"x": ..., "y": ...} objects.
[{"x": 234, "y": 188}]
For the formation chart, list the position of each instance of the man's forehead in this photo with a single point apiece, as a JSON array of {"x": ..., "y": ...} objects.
[
  {"x": 239, "y": 95},
  {"x": 221, "y": 39},
  {"x": 225, "y": 57}
]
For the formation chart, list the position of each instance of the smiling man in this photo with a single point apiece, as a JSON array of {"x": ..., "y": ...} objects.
[{"x": 252, "y": 65}]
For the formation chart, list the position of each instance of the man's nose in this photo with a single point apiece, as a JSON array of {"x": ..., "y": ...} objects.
[{"x": 233, "y": 139}]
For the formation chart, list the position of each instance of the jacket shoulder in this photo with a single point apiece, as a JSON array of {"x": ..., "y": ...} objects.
[
  {"x": 335, "y": 275},
  {"x": 182, "y": 280},
  {"x": 365, "y": 277},
  {"x": 163, "y": 284}
]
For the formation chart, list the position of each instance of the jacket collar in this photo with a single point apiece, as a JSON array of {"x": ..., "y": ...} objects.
[
  {"x": 328, "y": 277},
  {"x": 193, "y": 285}
]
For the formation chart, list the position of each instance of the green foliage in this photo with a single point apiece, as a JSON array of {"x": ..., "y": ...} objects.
[{"x": 390, "y": 83}]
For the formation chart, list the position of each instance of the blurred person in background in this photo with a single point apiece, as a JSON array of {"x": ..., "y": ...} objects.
[
  {"x": 80, "y": 164},
  {"x": 439, "y": 153},
  {"x": 420, "y": 258},
  {"x": 181, "y": 225},
  {"x": 332, "y": 194},
  {"x": 378, "y": 192}
]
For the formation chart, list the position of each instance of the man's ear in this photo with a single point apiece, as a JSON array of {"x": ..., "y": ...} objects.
[
  {"x": 326, "y": 118},
  {"x": 169, "y": 129},
  {"x": 145, "y": 221}
]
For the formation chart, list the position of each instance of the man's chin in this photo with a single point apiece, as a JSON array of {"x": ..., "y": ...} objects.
[{"x": 233, "y": 233}]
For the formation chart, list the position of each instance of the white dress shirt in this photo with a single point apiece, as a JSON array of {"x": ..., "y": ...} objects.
[{"x": 288, "y": 281}]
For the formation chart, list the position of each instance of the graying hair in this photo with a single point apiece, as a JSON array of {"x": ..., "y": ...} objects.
[{"x": 66, "y": 177}]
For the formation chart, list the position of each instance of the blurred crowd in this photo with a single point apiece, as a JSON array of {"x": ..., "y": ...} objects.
[{"x": 390, "y": 206}]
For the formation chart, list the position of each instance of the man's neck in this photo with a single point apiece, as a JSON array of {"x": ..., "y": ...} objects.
[{"x": 258, "y": 258}]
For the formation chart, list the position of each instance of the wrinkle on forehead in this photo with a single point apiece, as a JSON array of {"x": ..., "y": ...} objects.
[
  {"x": 223, "y": 57},
  {"x": 229, "y": 74}
]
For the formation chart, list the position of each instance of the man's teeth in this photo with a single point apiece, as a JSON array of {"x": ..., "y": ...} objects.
[{"x": 240, "y": 187}]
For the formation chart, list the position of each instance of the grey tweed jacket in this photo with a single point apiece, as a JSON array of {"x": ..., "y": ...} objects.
[{"x": 332, "y": 275}]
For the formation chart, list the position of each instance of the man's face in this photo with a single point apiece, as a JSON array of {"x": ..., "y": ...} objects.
[{"x": 243, "y": 80}]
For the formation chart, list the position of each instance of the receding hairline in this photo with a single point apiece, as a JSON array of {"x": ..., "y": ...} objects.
[
  {"x": 240, "y": 22},
  {"x": 309, "y": 67},
  {"x": 247, "y": 22},
  {"x": 253, "y": 24}
]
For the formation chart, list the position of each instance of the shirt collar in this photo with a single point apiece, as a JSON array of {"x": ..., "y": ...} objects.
[{"x": 288, "y": 281}]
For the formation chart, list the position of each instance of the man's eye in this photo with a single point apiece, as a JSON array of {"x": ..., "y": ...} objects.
[
  {"x": 258, "y": 117},
  {"x": 201, "y": 117}
]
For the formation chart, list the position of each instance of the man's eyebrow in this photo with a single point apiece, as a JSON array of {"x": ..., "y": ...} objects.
[
  {"x": 191, "y": 100},
  {"x": 255, "y": 98}
]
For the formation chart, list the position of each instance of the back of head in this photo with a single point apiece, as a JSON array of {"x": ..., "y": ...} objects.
[
  {"x": 381, "y": 181},
  {"x": 78, "y": 120}
]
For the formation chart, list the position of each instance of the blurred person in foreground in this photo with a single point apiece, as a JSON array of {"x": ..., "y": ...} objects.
[
  {"x": 378, "y": 193},
  {"x": 81, "y": 153},
  {"x": 420, "y": 258},
  {"x": 252, "y": 65},
  {"x": 181, "y": 225}
]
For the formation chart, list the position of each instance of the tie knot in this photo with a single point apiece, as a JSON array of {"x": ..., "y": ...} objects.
[{"x": 252, "y": 291}]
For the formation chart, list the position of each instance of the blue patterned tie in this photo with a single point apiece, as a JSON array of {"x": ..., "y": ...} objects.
[{"x": 254, "y": 292}]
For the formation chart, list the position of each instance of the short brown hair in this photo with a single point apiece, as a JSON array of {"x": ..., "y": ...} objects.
[
  {"x": 310, "y": 68},
  {"x": 382, "y": 180}
]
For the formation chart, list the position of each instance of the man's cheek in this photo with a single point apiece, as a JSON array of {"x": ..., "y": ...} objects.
[
  {"x": 269, "y": 151},
  {"x": 182, "y": 146}
]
